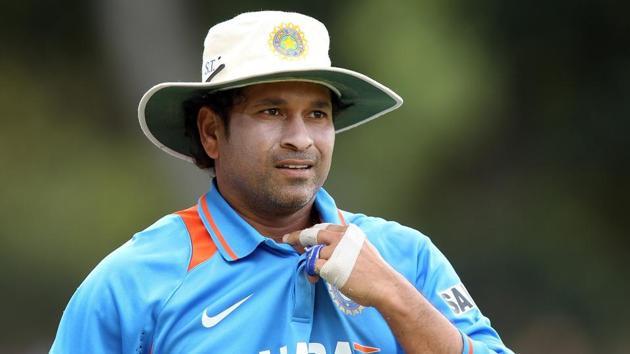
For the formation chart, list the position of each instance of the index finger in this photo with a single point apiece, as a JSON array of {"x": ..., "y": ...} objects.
[{"x": 306, "y": 237}]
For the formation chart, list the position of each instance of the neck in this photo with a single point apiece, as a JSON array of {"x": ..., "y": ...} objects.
[
  {"x": 276, "y": 226},
  {"x": 274, "y": 222}
]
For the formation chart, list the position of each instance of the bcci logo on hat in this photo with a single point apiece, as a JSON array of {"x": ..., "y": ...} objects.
[{"x": 288, "y": 41}]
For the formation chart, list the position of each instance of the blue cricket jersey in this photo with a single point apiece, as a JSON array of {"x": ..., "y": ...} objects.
[{"x": 204, "y": 281}]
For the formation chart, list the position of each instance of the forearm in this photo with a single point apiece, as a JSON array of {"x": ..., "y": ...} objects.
[{"x": 416, "y": 324}]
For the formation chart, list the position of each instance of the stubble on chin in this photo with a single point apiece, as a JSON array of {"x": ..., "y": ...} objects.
[{"x": 290, "y": 198}]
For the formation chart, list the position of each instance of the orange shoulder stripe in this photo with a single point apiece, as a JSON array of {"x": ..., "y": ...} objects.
[
  {"x": 214, "y": 227},
  {"x": 343, "y": 221},
  {"x": 202, "y": 245},
  {"x": 470, "y": 346}
]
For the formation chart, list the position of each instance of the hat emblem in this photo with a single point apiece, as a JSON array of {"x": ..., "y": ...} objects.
[{"x": 288, "y": 41}]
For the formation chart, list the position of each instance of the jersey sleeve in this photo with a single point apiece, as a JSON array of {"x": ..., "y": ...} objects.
[
  {"x": 92, "y": 320},
  {"x": 414, "y": 256},
  {"x": 439, "y": 283},
  {"x": 114, "y": 309}
]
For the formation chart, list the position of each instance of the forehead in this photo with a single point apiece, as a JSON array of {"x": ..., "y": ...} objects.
[{"x": 288, "y": 91}]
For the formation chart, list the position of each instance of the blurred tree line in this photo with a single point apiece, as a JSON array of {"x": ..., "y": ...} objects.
[{"x": 511, "y": 150}]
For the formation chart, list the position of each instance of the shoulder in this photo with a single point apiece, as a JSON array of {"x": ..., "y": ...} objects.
[
  {"x": 150, "y": 264},
  {"x": 120, "y": 296},
  {"x": 165, "y": 242},
  {"x": 408, "y": 250},
  {"x": 384, "y": 232}
]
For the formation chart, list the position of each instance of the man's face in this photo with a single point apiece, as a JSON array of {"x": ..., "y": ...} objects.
[{"x": 279, "y": 149}]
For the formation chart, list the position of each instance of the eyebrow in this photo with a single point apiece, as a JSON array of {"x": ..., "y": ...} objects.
[
  {"x": 280, "y": 101},
  {"x": 322, "y": 104},
  {"x": 270, "y": 102}
]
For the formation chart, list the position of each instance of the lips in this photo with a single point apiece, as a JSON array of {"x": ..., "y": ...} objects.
[
  {"x": 295, "y": 164},
  {"x": 295, "y": 167}
]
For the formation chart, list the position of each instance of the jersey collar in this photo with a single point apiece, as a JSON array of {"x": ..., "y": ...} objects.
[{"x": 234, "y": 237}]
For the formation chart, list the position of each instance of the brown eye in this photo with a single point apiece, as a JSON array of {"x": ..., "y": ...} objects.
[
  {"x": 272, "y": 111},
  {"x": 319, "y": 114}
]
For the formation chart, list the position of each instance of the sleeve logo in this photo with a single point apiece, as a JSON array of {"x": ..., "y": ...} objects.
[{"x": 458, "y": 299}]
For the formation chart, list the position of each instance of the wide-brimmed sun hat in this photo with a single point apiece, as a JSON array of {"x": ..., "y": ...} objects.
[{"x": 261, "y": 47}]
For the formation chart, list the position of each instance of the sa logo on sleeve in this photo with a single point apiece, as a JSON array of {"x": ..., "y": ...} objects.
[{"x": 458, "y": 299}]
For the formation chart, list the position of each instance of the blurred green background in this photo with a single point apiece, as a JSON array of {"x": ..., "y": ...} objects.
[{"x": 511, "y": 150}]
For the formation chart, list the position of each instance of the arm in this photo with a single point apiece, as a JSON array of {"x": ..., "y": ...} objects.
[
  {"x": 416, "y": 310},
  {"x": 373, "y": 282},
  {"x": 407, "y": 313}
]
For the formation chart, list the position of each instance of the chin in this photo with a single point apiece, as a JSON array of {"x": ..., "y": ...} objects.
[{"x": 294, "y": 198}]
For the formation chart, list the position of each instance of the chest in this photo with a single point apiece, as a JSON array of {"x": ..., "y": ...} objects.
[{"x": 264, "y": 304}]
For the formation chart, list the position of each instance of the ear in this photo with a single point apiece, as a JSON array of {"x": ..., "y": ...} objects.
[{"x": 208, "y": 124}]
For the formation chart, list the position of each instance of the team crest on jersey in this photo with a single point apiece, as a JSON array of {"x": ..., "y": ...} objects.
[
  {"x": 288, "y": 41},
  {"x": 345, "y": 304},
  {"x": 458, "y": 299}
]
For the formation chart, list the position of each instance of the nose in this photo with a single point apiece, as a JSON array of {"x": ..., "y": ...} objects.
[{"x": 296, "y": 135}]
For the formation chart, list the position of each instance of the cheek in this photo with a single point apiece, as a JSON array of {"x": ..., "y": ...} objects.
[
  {"x": 326, "y": 144},
  {"x": 253, "y": 147}
]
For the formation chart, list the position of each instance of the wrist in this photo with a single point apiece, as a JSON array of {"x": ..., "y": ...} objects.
[{"x": 395, "y": 295}]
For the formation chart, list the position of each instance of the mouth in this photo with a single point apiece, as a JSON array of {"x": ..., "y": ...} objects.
[{"x": 295, "y": 165}]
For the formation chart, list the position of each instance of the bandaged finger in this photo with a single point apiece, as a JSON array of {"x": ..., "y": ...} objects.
[
  {"x": 338, "y": 267},
  {"x": 308, "y": 237}
]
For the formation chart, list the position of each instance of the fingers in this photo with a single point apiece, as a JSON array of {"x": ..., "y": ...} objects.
[
  {"x": 312, "y": 254},
  {"x": 314, "y": 263},
  {"x": 315, "y": 259},
  {"x": 331, "y": 250},
  {"x": 302, "y": 238},
  {"x": 312, "y": 279},
  {"x": 318, "y": 234},
  {"x": 319, "y": 263},
  {"x": 336, "y": 228},
  {"x": 339, "y": 266},
  {"x": 326, "y": 252},
  {"x": 308, "y": 237}
]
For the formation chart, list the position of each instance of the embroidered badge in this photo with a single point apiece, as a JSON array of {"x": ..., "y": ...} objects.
[
  {"x": 288, "y": 41},
  {"x": 344, "y": 303}
]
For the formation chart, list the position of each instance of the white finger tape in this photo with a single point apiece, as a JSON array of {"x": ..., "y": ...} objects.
[
  {"x": 337, "y": 269},
  {"x": 308, "y": 237}
]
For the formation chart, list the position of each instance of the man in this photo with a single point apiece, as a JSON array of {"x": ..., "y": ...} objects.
[{"x": 265, "y": 262}]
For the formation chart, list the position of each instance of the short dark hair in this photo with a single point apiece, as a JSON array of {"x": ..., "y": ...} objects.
[{"x": 221, "y": 102}]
